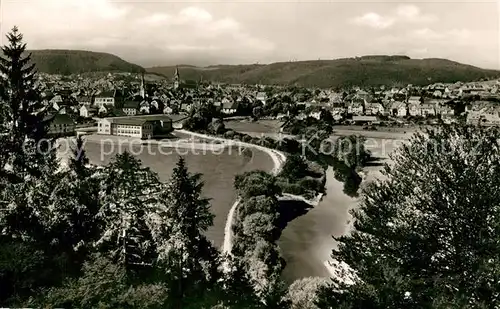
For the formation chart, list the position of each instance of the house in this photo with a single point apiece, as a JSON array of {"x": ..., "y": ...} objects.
[
  {"x": 56, "y": 101},
  {"x": 414, "y": 109},
  {"x": 398, "y": 109},
  {"x": 229, "y": 108},
  {"x": 106, "y": 98},
  {"x": 415, "y": 100},
  {"x": 168, "y": 110},
  {"x": 186, "y": 107},
  {"x": 337, "y": 108},
  {"x": 130, "y": 108},
  {"x": 355, "y": 108},
  {"x": 474, "y": 117},
  {"x": 437, "y": 94},
  {"x": 427, "y": 110},
  {"x": 374, "y": 109},
  {"x": 84, "y": 100},
  {"x": 87, "y": 111},
  {"x": 315, "y": 114},
  {"x": 60, "y": 125},
  {"x": 103, "y": 109},
  {"x": 261, "y": 96}
]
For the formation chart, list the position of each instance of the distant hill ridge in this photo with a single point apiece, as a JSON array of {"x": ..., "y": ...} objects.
[
  {"x": 61, "y": 61},
  {"x": 372, "y": 70}
]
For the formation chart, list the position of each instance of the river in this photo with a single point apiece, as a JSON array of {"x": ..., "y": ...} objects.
[
  {"x": 218, "y": 172},
  {"x": 306, "y": 242}
]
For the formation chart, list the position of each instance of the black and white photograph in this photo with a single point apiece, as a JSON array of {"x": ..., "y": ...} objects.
[{"x": 250, "y": 154}]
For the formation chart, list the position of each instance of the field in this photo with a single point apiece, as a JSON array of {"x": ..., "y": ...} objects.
[
  {"x": 272, "y": 128},
  {"x": 261, "y": 126},
  {"x": 218, "y": 172}
]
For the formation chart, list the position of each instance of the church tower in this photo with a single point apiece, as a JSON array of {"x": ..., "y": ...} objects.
[
  {"x": 142, "y": 92},
  {"x": 176, "y": 78}
]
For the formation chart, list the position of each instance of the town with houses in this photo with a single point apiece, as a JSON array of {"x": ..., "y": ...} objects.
[{"x": 128, "y": 105}]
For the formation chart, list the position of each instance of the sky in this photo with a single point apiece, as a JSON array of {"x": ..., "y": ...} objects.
[{"x": 165, "y": 32}]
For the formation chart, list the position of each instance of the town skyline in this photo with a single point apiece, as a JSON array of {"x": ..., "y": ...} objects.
[{"x": 156, "y": 33}]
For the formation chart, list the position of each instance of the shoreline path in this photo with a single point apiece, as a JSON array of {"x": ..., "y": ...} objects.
[{"x": 279, "y": 159}]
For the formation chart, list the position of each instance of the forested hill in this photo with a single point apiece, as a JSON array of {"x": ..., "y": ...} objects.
[
  {"x": 56, "y": 61},
  {"x": 360, "y": 71}
]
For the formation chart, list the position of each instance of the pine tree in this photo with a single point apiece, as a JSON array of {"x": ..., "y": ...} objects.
[
  {"x": 79, "y": 161},
  {"x": 21, "y": 108},
  {"x": 128, "y": 197},
  {"x": 427, "y": 236},
  {"x": 189, "y": 260}
]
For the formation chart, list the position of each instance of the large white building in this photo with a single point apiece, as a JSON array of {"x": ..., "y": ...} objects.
[{"x": 139, "y": 127}]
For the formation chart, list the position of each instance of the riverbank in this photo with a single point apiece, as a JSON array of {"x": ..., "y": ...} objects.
[
  {"x": 278, "y": 159},
  {"x": 218, "y": 170}
]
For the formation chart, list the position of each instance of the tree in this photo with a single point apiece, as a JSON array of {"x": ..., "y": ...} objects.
[
  {"x": 303, "y": 292},
  {"x": 21, "y": 110},
  {"x": 256, "y": 183},
  {"x": 427, "y": 236},
  {"x": 21, "y": 97},
  {"x": 128, "y": 200},
  {"x": 295, "y": 168},
  {"x": 105, "y": 284},
  {"x": 189, "y": 260},
  {"x": 257, "y": 112},
  {"x": 79, "y": 161},
  {"x": 240, "y": 293}
]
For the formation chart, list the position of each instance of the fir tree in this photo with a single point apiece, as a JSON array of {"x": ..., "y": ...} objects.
[
  {"x": 128, "y": 197},
  {"x": 21, "y": 109},
  {"x": 187, "y": 257},
  {"x": 79, "y": 161}
]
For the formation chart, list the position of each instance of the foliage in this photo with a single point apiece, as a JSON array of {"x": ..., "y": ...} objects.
[
  {"x": 20, "y": 111},
  {"x": 303, "y": 292},
  {"x": 188, "y": 259},
  {"x": 201, "y": 118},
  {"x": 427, "y": 235},
  {"x": 256, "y": 183},
  {"x": 127, "y": 201},
  {"x": 295, "y": 168},
  {"x": 105, "y": 284}
]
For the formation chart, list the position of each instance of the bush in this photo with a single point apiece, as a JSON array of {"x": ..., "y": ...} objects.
[
  {"x": 246, "y": 138},
  {"x": 312, "y": 184},
  {"x": 229, "y": 134}
]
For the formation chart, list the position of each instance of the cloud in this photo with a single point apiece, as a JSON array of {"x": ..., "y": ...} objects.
[
  {"x": 111, "y": 26},
  {"x": 427, "y": 34},
  {"x": 456, "y": 35},
  {"x": 402, "y": 14},
  {"x": 412, "y": 13},
  {"x": 374, "y": 20}
]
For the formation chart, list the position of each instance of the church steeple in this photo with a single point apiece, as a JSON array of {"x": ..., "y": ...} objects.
[
  {"x": 142, "y": 90},
  {"x": 176, "y": 78}
]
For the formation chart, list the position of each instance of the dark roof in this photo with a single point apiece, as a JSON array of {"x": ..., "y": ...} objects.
[
  {"x": 130, "y": 121},
  {"x": 117, "y": 112},
  {"x": 59, "y": 119},
  {"x": 84, "y": 98},
  {"x": 106, "y": 94},
  {"x": 90, "y": 108},
  {"x": 131, "y": 104},
  {"x": 230, "y": 105}
]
